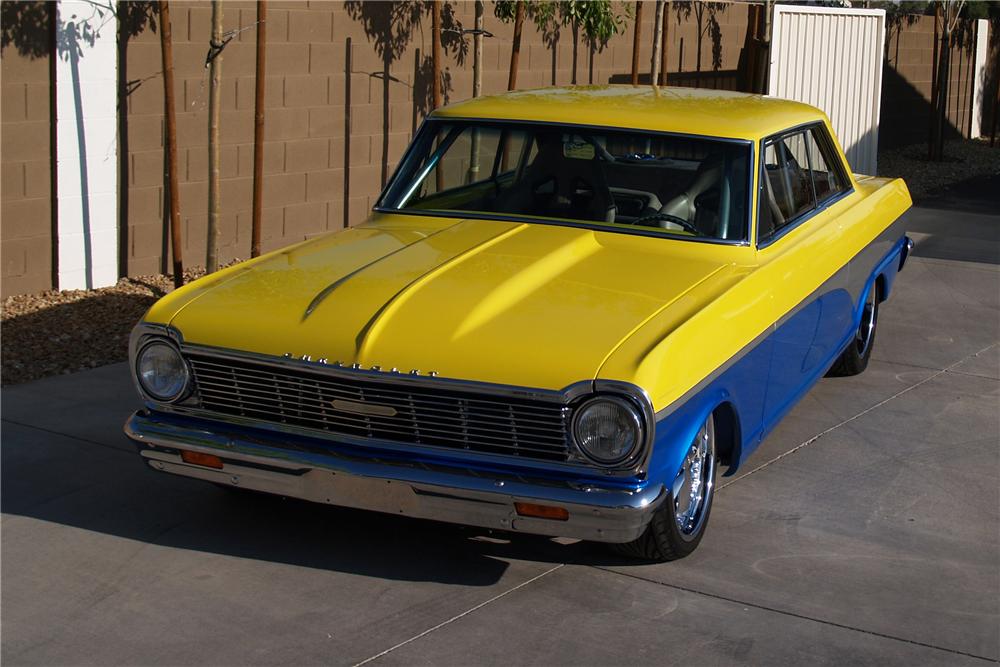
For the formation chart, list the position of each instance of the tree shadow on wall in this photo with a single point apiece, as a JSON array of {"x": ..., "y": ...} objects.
[
  {"x": 423, "y": 87},
  {"x": 32, "y": 29},
  {"x": 390, "y": 27},
  {"x": 27, "y": 26},
  {"x": 706, "y": 19},
  {"x": 705, "y": 16}
]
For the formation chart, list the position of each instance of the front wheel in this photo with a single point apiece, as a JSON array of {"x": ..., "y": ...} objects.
[
  {"x": 854, "y": 359},
  {"x": 679, "y": 523}
]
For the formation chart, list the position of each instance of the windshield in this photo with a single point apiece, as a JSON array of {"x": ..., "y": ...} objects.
[{"x": 671, "y": 184}]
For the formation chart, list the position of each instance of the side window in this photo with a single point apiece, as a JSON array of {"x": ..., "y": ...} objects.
[
  {"x": 786, "y": 188},
  {"x": 800, "y": 171},
  {"x": 826, "y": 179}
]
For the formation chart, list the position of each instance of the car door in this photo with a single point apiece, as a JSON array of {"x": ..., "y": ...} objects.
[{"x": 796, "y": 188}]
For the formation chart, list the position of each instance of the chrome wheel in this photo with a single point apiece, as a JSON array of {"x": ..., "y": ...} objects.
[
  {"x": 694, "y": 483},
  {"x": 863, "y": 338}
]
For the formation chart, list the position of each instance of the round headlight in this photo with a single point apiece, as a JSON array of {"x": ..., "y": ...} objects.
[
  {"x": 607, "y": 429},
  {"x": 161, "y": 371}
]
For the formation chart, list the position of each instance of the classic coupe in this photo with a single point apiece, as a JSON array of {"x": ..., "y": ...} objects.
[{"x": 568, "y": 308}]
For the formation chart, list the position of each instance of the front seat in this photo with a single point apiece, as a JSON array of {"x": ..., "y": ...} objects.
[
  {"x": 708, "y": 176},
  {"x": 550, "y": 185},
  {"x": 575, "y": 175}
]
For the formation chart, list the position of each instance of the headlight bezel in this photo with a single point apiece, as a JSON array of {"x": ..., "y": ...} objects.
[
  {"x": 185, "y": 387},
  {"x": 636, "y": 416}
]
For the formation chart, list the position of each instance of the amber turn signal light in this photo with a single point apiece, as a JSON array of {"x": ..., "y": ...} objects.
[
  {"x": 542, "y": 511},
  {"x": 199, "y": 459}
]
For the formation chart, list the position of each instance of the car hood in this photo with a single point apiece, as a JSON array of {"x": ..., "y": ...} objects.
[{"x": 513, "y": 303}]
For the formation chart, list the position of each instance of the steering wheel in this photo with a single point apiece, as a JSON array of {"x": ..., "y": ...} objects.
[{"x": 680, "y": 222}]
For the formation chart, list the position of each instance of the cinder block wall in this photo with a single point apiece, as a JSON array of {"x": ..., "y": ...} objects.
[
  {"x": 908, "y": 77},
  {"x": 305, "y": 105},
  {"x": 304, "y": 161},
  {"x": 26, "y": 180}
]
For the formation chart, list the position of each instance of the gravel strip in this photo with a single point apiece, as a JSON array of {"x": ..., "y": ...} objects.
[
  {"x": 964, "y": 159},
  {"x": 56, "y": 333}
]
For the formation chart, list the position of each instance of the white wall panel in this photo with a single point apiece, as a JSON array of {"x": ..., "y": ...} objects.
[
  {"x": 86, "y": 148},
  {"x": 979, "y": 77},
  {"x": 831, "y": 58}
]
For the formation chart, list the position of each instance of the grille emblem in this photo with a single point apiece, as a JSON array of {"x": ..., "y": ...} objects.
[{"x": 363, "y": 408}]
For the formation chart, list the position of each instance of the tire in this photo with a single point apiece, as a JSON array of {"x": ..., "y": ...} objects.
[
  {"x": 854, "y": 359},
  {"x": 677, "y": 526}
]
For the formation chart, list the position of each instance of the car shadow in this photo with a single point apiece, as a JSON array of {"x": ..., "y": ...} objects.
[{"x": 106, "y": 489}]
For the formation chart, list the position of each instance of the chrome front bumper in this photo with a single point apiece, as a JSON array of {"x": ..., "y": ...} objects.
[{"x": 322, "y": 473}]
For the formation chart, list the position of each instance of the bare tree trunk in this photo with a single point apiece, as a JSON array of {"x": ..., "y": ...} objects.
[
  {"x": 435, "y": 72},
  {"x": 515, "y": 49},
  {"x": 477, "y": 86},
  {"x": 477, "y": 51},
  {"x": 941, "y": 111},
  {"x": 167, "y": 54},
  {"x": 576, "y": 49},
  {"x": 123, "y": 149},
  {"x": 436, "y": 52},
  {"x": 666, "y": 44},
  {"x": 996, "y": 108},
  {"x": 657, "y": 43},
  {"x": 940, "y": 122},
  {"x": 214, "y": 106},
  {"x": 764, "y": 55},
  {"x": 636, "y": 36},
  {"x": 348, "y": 72},
  {"x": 699, "y": 14},
  {"x": 258, "y": 129},
  {"x": 935, "y": 65}
]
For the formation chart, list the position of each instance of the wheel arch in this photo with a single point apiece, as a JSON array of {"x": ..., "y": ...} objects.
[{"x": 727, "y": 435}]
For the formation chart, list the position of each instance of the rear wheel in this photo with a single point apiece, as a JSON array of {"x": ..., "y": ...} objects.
[
  {"x": 854, "y": 359},
  {"x": 679, "y": 523}
]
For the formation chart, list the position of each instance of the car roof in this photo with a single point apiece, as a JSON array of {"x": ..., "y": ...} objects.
[{"x": 716, "y": 113}]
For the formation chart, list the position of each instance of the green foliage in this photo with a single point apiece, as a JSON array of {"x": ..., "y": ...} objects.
[
  {"x": 984, "y": 9},
  {"x": 597, "y": 19}
]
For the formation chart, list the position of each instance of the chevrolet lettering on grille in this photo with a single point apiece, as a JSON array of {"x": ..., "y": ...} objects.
[{"x": 355, "y": 366}]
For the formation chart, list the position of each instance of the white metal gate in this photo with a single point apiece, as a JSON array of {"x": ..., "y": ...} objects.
[{"x": 831, "y": 58}]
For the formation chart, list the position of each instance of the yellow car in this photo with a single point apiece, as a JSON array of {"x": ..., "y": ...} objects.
[{"x": 568, "y": 308}]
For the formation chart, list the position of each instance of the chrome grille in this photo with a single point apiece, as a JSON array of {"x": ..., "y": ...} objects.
[{"x": 424, "y": 415}]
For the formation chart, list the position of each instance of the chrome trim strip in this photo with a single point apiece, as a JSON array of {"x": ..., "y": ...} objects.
[
  {"x": 431, "y": 163},
  {"x": 599, "y": 512}
]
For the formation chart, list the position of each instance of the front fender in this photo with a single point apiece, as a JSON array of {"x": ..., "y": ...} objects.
[{"x": 676, "y": 431}]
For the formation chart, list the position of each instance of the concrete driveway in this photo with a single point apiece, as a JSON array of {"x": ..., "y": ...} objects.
[{"x": 864, "y": 530}]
